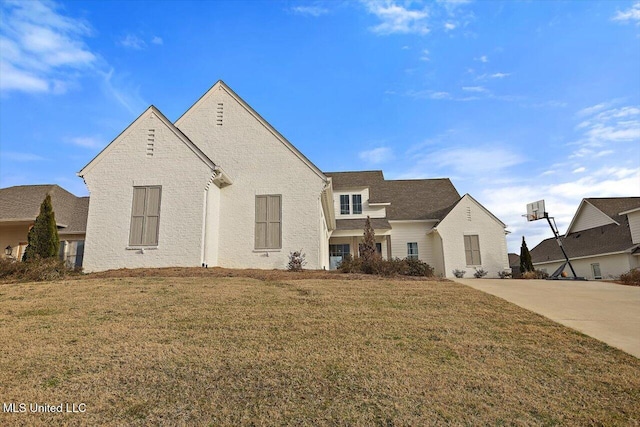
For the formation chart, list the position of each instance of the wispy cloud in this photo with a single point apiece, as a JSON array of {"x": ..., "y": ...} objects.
[
  {"x": 477, "y": 89},
  {"x": 42, "y": 49},
  {"x": 425, "y": 55},
  {"x": 314, "y": 11},
  {"x": 483, "y": 58},
  {"x": 630, "y": 15},
  {"x": 376, "y": 155},
  {"x": 86, "y": 141},
  {"x": 126, "y": 95},
  {"x": 448, "y": 26},
  {"x": 132, "y": 41},
  {"x": 157, "y": 40},
  {"x": 397, "y": 19},
  {"x": 21, "y": 157},
  {"x": 603, "y": 124}
]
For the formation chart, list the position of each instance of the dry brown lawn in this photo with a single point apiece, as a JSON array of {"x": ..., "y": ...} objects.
[{"x": 244, "y": 351}]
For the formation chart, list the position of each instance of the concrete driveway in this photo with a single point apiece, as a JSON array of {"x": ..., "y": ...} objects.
[{"x": 605, "y": 311}]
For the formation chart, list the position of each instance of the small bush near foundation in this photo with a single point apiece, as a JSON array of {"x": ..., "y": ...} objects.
[
  {"x": 535, "y": 274},
  {"x": 504, "y": 274},
  {"x": 36, "y": 270},
  {"x": 459, "y": 273},
  {"x": 480, "y": 273},
  {"x": 386, "y": 267},
  {"x": 415, "y": 267},
  {"x": 296, "y": 261},
  {"x": 631, "y": 278}
]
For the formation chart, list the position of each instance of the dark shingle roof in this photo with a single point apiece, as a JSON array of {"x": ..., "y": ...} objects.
[
  {"x": 612, "y": 206},
  {"x": 411, "y": 199},
  {"x": 514, "y": 260},
  {"x": 22, "y": 203},
  {"x": 598, "y": 240},
  {"x": 358, "y": 224}
]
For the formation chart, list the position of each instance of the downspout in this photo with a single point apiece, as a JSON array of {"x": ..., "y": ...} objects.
[{"x": 205, "y": 224}]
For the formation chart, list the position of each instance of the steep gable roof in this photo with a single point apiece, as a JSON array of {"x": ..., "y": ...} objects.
[
  {"x": 410, "y": 199},
  {"x": 22, "y": 203},
  {"x": 152, "y": 109},
  {"x": 495, "y": 218},
  {"x": 222, "y": 85},
  {"x": 606, "y": 209}
]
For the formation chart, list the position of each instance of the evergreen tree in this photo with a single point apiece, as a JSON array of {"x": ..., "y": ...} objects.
[
  {"x": 368, "y": 253},
  {"x": 43, "y": 240},
  {"x": 525, "y": 258}
]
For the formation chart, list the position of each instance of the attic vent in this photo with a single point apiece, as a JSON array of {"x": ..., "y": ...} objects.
[
  {"x": 468, "y": 213},
  {"x": 151, "y": 139},
  {"x": 219, "y": 114}
]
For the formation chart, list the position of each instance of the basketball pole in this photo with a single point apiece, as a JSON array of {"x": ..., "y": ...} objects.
[{"x": 554, "y": 228}]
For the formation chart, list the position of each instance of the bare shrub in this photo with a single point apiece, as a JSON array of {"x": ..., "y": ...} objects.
[
  {"x": 36, "y": 270},
  {"x": 459, "y": 273},
  {"x": 296, "y": 261},
  {"x": 631, "y": 278}
]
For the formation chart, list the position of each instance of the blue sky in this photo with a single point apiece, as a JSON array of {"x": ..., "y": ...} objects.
[{"x": 515, "y": 101}]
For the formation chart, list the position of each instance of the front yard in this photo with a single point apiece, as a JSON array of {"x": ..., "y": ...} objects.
[{"x": 240, "y": 350}]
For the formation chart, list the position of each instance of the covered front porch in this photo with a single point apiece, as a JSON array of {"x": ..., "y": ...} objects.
[{"x": 348, "y": 238}]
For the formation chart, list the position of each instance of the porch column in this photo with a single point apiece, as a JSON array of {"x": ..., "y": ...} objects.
[
  {"x": 388, "y": 236},
  {"x": 354, "y": 245}
]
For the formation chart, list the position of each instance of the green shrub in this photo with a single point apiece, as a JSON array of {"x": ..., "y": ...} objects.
[
  {"x": 459, "y": 273},
  {"x": 631, "y": 278},
  {"x": 36, "y": 270},
  {"x": 480, "y": 273},
  {"x": 296, "y": 261}
]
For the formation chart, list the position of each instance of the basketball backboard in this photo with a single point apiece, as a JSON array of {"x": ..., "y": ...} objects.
[{"x": 536, "y": 211}]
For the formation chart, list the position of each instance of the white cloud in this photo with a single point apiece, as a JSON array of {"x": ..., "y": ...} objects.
[
  {"x": 127, "y": 96},
  {"x": 499, "y": 75},
  {"x": 132, "y": 41},
  {"x": 41, "y": 48},
  {"x": 157, "y": 40},
  {"x": 397, "y": 19},
  {"x": 630, "y": 15},
  {"x": 314, "y": 11},
  {"x": 477, "y": 89},
  {"x": 21, "y": 157},
  {"x": 440, "y": 95},
  {"x": 579, "y": 170},
  {"x": 448, "y": 26},
  {"x": 483, "y": 58},
  {"x": 376, "y": 155},
  {"x": 602, "y": 124},
  {"x": 86, "y": 142},
  {"x": 425, "y": 55}
]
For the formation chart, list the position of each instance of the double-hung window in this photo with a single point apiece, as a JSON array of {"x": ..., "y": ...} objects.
[
  {"x": 412, "y": 250},
  {"x": 472, "y": 249},
  {"x": 344, "y": 204},
  {"x": 145, "y": 216},
  {"x": 357, "y": 203},
  {"x": 268, "y": 232}
]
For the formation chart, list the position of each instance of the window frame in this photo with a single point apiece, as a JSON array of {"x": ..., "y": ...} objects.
[
  {"x": 410, "y": 253},
  {"x": 593, "y": 270},
  {"x": 269, "y": 223},
  {"x": 355, "y": 204},
  {"x": 345, "y": 207},
  {"x": 146, "y": 216},
  {"x": 469, "y": 250}
]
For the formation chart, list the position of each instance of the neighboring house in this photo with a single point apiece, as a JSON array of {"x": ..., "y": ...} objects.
[
  {"x": 19, "y": 207},
  {"x": 514, "y": 265},
  {"x": 602, "y": 241},
  {"x": 222, "y": 187}
]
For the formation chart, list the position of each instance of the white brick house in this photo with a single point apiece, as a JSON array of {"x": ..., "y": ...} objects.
[{"x": 222, "y": 187}]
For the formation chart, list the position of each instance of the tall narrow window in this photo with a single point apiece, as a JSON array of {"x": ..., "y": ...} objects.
[
  {"x": 145, "y": 216},
  {"x": 268, "y": 222},
  {"x": 357, "y": 203},
  {"x": 412, "y": 250},
  {"x": 595, "y": 269},
  {"x": 472, "y": 249},
  {"x": 344, "y": 204}
]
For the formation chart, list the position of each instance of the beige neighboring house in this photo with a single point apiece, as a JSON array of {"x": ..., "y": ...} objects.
[
  {"x": 602, "y": 240},
  {"x": 222, "y": 187},
  {"x": 19, "y": 207}
]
